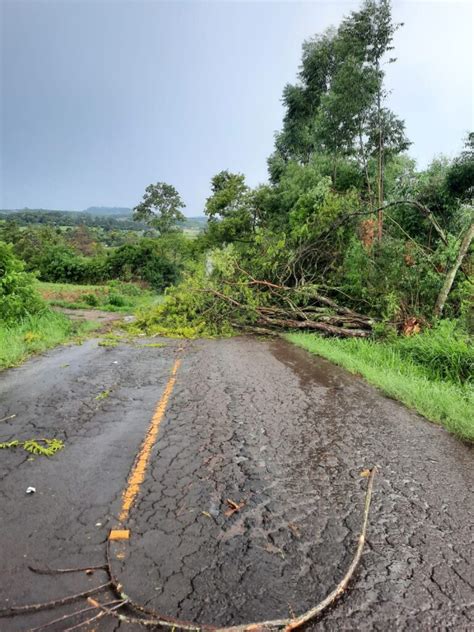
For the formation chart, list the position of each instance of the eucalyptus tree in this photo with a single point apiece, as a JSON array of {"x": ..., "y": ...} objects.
[{"x": 338, "y": 106}]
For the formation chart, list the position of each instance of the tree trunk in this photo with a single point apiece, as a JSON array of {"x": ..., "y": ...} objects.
[
  {"x": 380, "y": 163},
  {"x": 449, "y": 280}
]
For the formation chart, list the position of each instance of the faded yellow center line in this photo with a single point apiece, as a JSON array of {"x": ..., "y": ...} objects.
[{"x": 137, "y": 475}]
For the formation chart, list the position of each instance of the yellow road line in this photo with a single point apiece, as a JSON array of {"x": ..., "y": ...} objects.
[{"x": 137, "y": 475}]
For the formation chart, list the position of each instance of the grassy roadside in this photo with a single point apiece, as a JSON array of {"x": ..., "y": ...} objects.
[
  {"x": 38, "y": 333},
  {"x": 48, "y": 328},
  {"x": 432, "y": 379}
]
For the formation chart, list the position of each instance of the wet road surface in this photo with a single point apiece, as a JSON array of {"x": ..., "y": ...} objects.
[{"x": 282, "y": 434}]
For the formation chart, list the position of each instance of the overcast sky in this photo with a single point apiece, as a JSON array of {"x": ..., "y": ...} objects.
[{"x": 101, "y": 98}]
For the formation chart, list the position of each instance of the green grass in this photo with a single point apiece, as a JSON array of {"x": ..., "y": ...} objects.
[
  {"x": 115, "y": 296},
  {"x": 406, "y": 369},
  {"x": 35, "y": 334}
]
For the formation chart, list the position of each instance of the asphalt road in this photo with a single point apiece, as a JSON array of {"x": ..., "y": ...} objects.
[{"x": 281, "y": 434}]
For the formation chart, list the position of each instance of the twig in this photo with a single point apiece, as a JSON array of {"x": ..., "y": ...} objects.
[
  {"x": 151, "y": 623},
  {"x": 7, "y": 418},
  {"x": 341, "y": 587},
  {"x": 97, "y": 616},
  {"x": 70, "y": 616},
  {"x": 54, "y": 571},
  {"x": 6, "y": 612}
]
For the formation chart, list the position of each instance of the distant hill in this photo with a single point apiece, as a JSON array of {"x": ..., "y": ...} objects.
[
  {"x": 97, "y": 211},
  {"x": 100, "y": 211},
  {"x": 199, "y": 222},
  {"x": 107, "y": 213}
]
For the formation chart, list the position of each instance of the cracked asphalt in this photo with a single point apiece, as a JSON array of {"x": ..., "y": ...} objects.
[{"x": 282, "y": 434}]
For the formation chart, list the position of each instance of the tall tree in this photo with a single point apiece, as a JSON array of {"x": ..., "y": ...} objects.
[
  {"x": 160, "y": 208},
  {"x": 338, "y": 106}
]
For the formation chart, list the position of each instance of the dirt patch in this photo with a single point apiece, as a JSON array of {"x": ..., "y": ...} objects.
[{"x": 70, "y": 296}]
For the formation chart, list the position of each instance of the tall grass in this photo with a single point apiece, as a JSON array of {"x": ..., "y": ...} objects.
[
  {"x": 430, "y": 372},
  {"x": 34, "y": 334}
]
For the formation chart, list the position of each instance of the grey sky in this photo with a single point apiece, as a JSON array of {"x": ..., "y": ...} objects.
[{"x": 100, "y": 98}]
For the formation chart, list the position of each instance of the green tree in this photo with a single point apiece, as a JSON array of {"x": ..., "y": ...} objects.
[
  {"x": 161, "y": 208},
  {"x": 231, "y": 214},
  {"x": 460, "y": 176},
  {"x": 18, "y": 296},
  {"x": 337, "y": 108}
]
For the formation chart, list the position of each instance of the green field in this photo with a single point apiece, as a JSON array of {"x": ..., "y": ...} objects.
[{"x": 115, "y": 296}]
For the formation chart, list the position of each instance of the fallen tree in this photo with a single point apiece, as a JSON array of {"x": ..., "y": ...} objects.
[
  {"x": 231, "y": 298},
  {"x": 322, "y": 314}
]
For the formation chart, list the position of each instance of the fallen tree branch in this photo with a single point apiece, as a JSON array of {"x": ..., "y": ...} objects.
[
  {"x": 342, "y": 322},
  {"x": 56, "y": 571},
  {"x": 12, "y": 610},
  {"x": 152, "y": 619},
  {"x": 155, "y": 619},
  {"x": 332, "y": 330}
]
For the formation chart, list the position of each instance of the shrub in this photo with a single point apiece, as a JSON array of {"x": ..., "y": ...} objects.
[
  {"x": 18, "y": 297},
  {"x": 61, "y": 264},
  {"x": 143, "y": 260},
  {"x": 117, "y": 300},
  {"x": 91, "y": 299}
]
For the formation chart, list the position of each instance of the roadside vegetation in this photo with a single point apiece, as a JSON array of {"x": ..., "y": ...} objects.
[
  {"x": 37, "y": 333},
  {"x": 51, "y": 260},
  {"x": 27, "y": 324}
]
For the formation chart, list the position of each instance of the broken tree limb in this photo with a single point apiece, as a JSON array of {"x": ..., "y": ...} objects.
[
  {"x": 155, "y": 619},
  {"x": 449, "y": 279},
  {"x": 331, "y": 330},
  {"x": 341, "y": 587},
  {"x": 321, "y": 314}
]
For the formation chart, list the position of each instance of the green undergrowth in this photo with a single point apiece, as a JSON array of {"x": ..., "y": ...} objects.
[
  {"x": 430, "y": 372},
  {"x": 37, "y": 333}
]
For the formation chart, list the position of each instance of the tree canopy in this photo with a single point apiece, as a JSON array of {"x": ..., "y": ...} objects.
[{"x": 160, "y": 208}]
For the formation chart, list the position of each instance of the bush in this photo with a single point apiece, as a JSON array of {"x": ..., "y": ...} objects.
[
  {"x": 127, "y": 289},
  {"x": 91, "y": 299},
  {"x": 143, "y": 261},
  {"x": 18, "y": 296},
  {"x": 61, "y": 264},
  {"x": 117, "y": 300}
]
